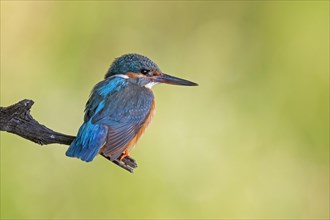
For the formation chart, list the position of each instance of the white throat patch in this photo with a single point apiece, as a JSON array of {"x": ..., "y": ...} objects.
[{"x": 150, "y": 85}]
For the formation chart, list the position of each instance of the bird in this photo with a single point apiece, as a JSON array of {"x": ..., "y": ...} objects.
[{"x": 120, "y": 108}]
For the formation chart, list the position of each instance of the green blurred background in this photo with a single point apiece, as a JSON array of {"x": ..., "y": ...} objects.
[{"x": 252, "y": 141}]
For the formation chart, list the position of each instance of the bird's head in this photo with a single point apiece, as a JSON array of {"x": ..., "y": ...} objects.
[{"x": 143, "y": 71}]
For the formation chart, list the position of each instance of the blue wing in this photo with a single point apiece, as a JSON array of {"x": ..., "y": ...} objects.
[
  {"x": 92, "y": 136},
  {"x": 125, "y": 114}
]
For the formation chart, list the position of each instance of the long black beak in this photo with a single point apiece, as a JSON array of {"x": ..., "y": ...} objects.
[{"x": 164, "y": 78}]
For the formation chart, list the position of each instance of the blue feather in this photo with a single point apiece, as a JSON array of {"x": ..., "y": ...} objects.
[
  {"x": 88, "y": 142},
  {"x": 124, "y": 115},
  {"x": 92, "y": 136}
]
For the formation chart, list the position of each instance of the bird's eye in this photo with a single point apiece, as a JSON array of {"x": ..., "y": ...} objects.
[{"x": 145, "y": 71}]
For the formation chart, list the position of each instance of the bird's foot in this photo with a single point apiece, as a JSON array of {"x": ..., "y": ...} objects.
[
  {"x": 126, "y": 163},
  {"x": 126, "y": 159},
  {"x": 123, "y": 155}
]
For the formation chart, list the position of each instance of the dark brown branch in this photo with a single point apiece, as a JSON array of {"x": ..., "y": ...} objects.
[{"x": 17, "y": 119}]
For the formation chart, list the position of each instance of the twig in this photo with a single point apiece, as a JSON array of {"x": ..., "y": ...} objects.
[{"x": 17, "y": 119}]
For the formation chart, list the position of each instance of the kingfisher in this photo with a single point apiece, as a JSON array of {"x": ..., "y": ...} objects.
[{"x": 120, "y": 108}]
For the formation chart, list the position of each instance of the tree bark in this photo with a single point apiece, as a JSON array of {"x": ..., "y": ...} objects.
[{"x": 17, "y": 119}]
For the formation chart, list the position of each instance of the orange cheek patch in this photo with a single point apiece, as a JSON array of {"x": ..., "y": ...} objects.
[
  {"x": 156, "y": 73},
  {"x": 133, "y": 75}
]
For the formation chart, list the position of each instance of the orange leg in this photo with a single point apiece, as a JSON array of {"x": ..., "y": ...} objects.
[{"x": 125, "y": 154}]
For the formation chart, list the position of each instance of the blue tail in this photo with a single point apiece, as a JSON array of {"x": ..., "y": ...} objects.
[{"x": 88, "y": 142}]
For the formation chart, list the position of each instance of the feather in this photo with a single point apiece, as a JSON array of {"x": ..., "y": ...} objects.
[
  {"x": 124, "y": 118},
  {"x": 92, "y": 136},
  {"x": 116, "y": 114}
]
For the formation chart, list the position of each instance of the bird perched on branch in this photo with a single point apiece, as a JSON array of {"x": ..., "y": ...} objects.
[{"x": 120, "y": 108}]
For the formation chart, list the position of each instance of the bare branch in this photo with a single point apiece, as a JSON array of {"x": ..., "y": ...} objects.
[{"x": 17, "y": 119}]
